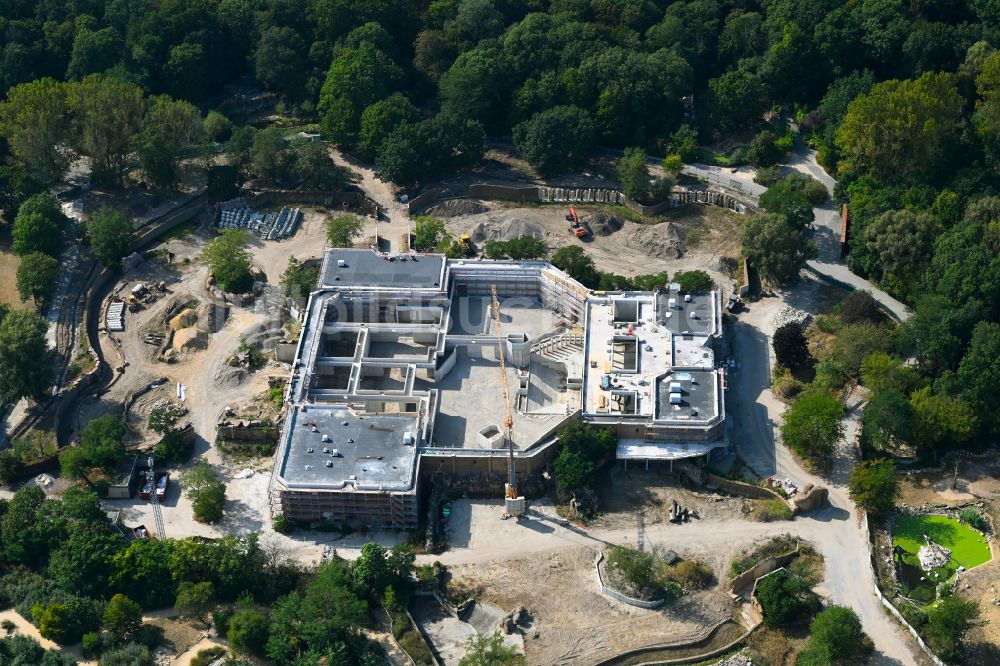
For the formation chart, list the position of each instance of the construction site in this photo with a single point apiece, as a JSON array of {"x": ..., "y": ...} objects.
[{"x": 411, "y": 364}]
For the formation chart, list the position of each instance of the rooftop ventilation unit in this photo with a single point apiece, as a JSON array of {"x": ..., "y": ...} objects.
[
  {"x": 408, "y": 438},
  {"x": 675, "y": 398},
  {"x": 329, "y": 463},
  {"x": 341, "y": 263}
]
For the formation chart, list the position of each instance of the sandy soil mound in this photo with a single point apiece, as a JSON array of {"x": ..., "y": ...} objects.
[
  {"x": 455, "y": 207},
  {"x": 602, "y": 224},
  {"x": 185, "y": 319},
  {"x": 189, "y": 339},
  {"x": 658, "y": 240},
  {"x": 505, "y": 229}
]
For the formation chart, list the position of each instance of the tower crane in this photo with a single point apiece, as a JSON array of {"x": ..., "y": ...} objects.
[{"x": 513, "y": 503}]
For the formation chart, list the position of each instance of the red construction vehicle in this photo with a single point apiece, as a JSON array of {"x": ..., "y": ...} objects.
[{"x": 576, "y": 227}]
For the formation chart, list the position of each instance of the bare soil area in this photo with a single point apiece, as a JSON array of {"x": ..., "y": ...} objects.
[
  {"x": 8, "y": 271},
  {"x": 575, "y": 624},
  {"x": 690, "y": 238}
]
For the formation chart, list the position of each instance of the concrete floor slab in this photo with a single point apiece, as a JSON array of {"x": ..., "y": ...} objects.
[{"x": 471, "y": 398}]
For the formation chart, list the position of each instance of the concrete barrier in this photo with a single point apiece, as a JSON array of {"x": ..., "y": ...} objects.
[
  {"x": 423, "y": 200},
  {"x": 766, "y": 566},
  {"x": 615, "y": 594},
  {"x": 740, "y": 488}
]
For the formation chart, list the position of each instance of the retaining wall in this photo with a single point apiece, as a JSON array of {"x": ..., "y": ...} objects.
[
  {"x": 680, "y": 646},
  {"x": 323, "y": 198},
  {"x": 741, "y": 489},
  {"x": 762, "y": 568},
  {"x": 505, "y": 192},
  {"x": 614, "y": 594},
  {"x": 422, "y": 200}
]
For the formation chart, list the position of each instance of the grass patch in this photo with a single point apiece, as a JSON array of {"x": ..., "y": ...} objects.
[
  {"x": 710, "y": 157},
  {"x": 768, "y": 511},
  {"x": 180, "y": 232},
  {"x": 968, "y": 547}
]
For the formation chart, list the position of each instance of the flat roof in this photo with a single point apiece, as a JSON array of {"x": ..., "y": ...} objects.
[
  {"x": 365, "y": 268},
  {"x": 698, "y": 393},
  {"x": 678, "y": 318},
  {"x": 631, "y": 361},
  {"x": 638, "y": 449},
  {"x": 371, "y": 450}
]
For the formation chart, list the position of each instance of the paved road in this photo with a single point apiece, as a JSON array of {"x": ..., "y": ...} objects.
[{"x": 828, "y": 221}]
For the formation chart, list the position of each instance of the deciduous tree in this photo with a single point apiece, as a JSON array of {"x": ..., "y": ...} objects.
[
  {"x": 776, "y": 248},
  {"x": 873, "y": 486},
  {"x": 26, "y": 361},
  {"x": 228, "y": 260},
  {"x": 811, "y": 425},
  {"x": 902, "y": 129},
  {"x": 556, "y": 140},
  {"x": 37, "y": 275},
  {"x": 111, "y": 236}
]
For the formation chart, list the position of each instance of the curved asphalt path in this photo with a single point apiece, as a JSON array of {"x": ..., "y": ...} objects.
[{"x": 828, "y": 264}]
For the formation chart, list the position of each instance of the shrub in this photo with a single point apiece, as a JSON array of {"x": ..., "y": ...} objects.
[
  {"x": 91, "y": 643},
  {"x": 837, "y": 631},
  {"x": 789, "y": 345},
  {"x": 975, "y": 520},
  {"x": 947, "y": 624},
  {"x": 282, "y": 524},
  {"x": 672, "y": 590},
  {"x": 248, "y": 630},
  {"x": 692, "y": 574},
  {"x": 208, "y": 655},
  {"x": 786, "y": 599},
  {"x": 767, "y": 176},
  {"x": 414, "y": 645},
  {"x": 220, "y": 620},
  {"x": 859, "y": 307},
  {"x": 636, "y": 568},
  {"x": 772, "y": 510}
]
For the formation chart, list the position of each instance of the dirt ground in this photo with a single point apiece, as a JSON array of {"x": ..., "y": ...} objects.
[
  {"x": 978, "y": 479},
  {"x": 8, "y": 272},
  {"x": 692, "y": 238},
  {"x": 574, "y": 622}
]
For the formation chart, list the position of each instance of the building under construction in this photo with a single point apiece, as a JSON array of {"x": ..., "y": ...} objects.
[{"x": 397, "y": 377}]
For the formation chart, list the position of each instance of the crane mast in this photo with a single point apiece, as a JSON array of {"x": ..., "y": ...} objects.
[{"x": 508, "y": 423}]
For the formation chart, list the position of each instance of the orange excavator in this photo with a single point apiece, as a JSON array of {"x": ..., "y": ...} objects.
[{"x": 576, "y": 227}]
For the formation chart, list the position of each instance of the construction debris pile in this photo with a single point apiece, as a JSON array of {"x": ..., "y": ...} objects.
[
  {"x": 788, "y": 314},
  {"x": 237, "y": 214}
]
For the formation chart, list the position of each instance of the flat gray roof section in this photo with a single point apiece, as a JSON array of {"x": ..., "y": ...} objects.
[
  {"x": 364, "y": 268},
  {"x": 377, "y": 458},
  {"x": 698, "y": 396},
  {"x": 678, "y": 319}
]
